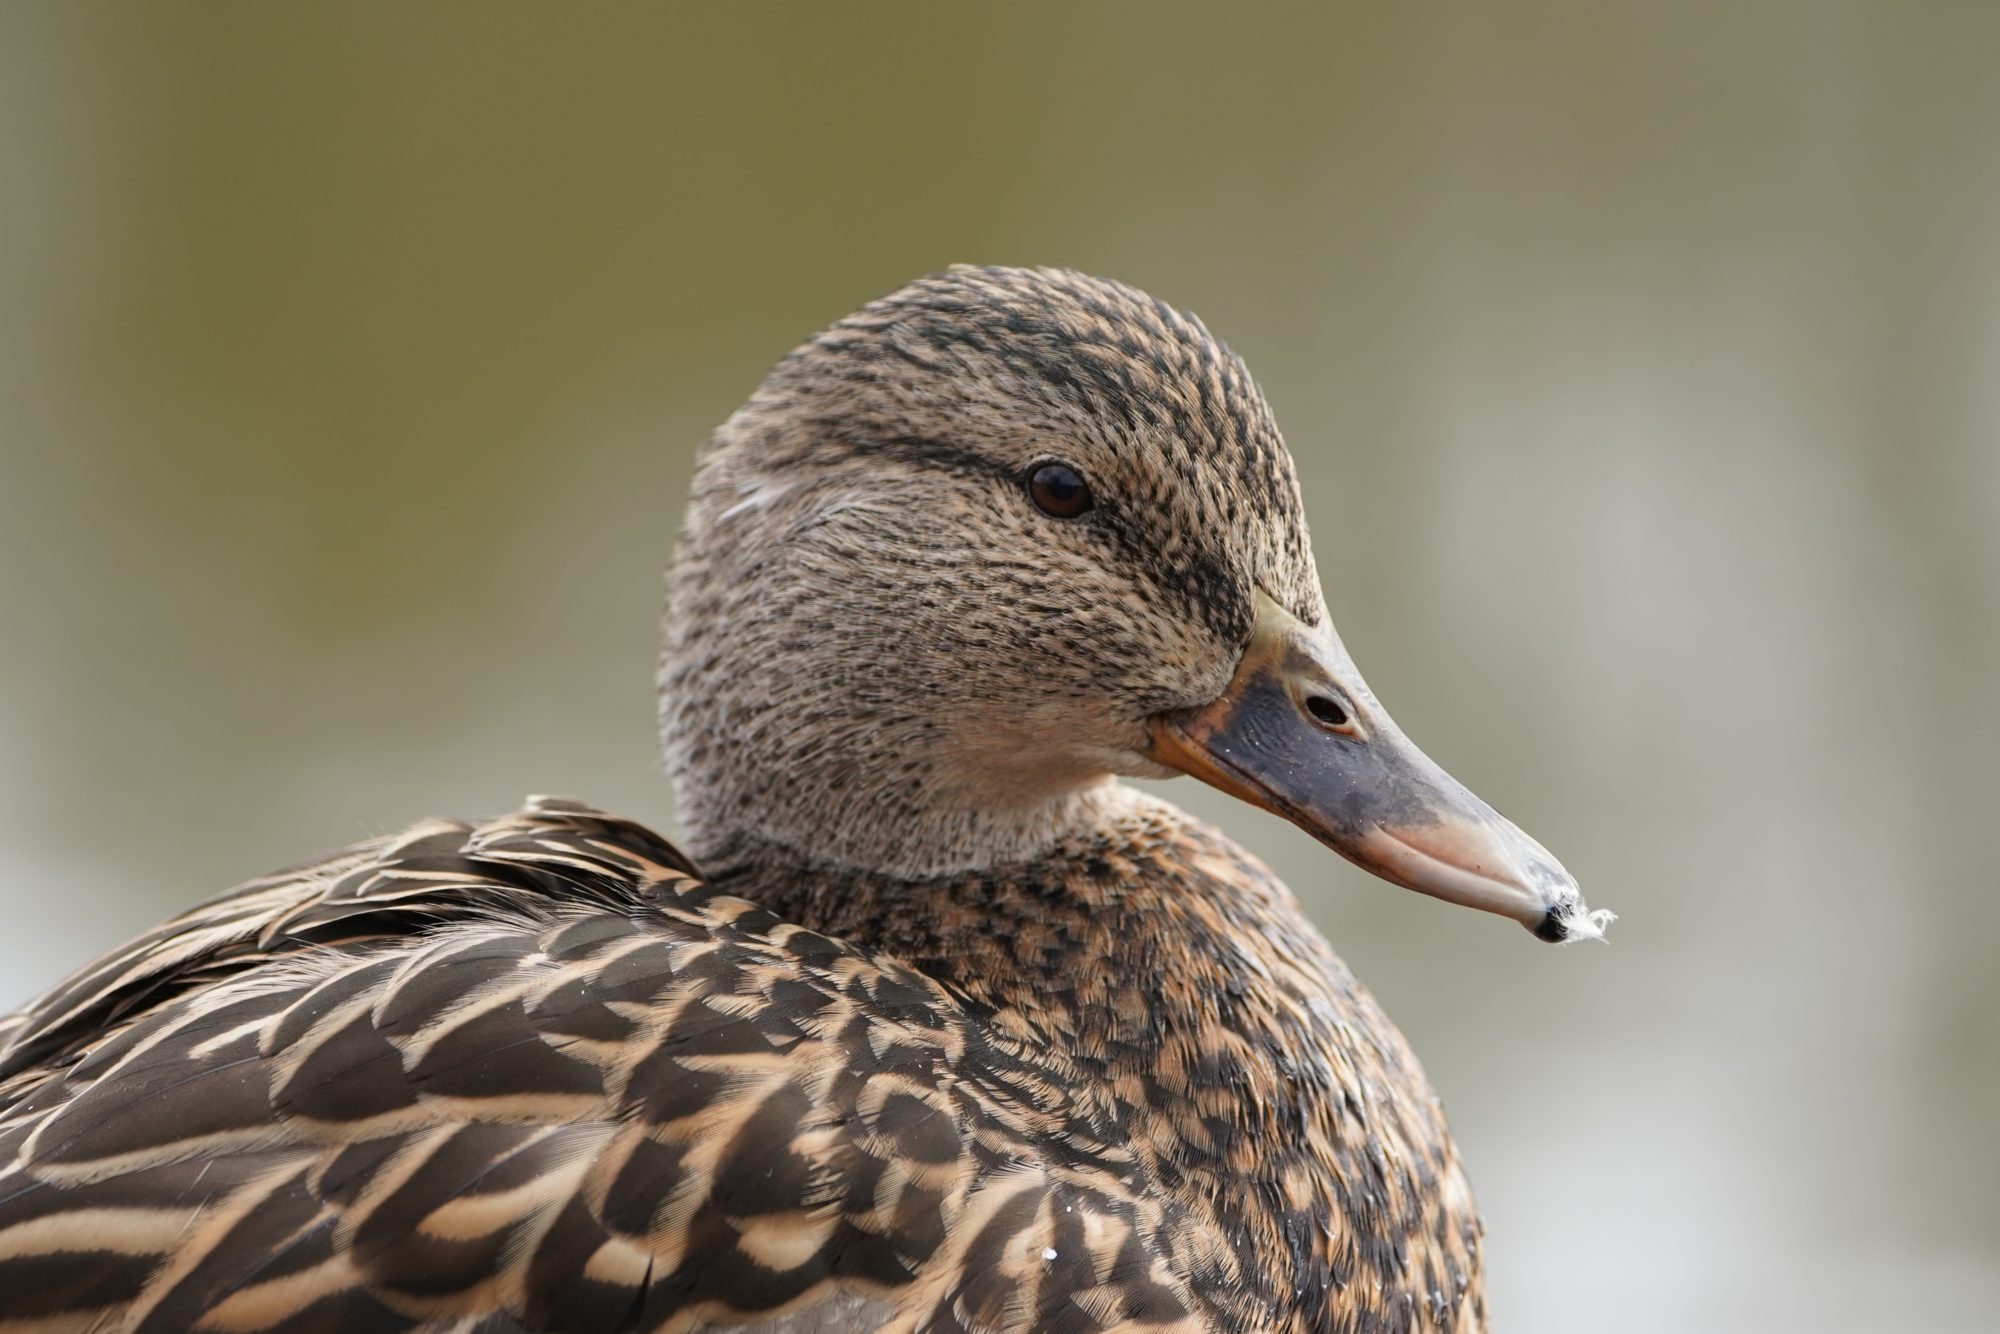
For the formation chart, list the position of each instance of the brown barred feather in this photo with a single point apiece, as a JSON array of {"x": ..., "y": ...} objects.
[{"x": 535, "y": 1071}]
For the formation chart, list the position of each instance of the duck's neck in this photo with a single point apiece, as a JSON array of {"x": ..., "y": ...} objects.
[
  {"x": 1206, "y": 1018},
  {"x": 858, "y": 822}
]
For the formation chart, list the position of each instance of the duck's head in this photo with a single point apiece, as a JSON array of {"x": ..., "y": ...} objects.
[{"x": 998, "y": 537}]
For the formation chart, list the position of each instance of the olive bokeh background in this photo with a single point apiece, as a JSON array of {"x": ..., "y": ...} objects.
[{"x": 1642, "y": 363}]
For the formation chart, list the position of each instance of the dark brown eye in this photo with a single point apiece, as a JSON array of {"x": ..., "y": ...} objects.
[{"x": 1058, "y": 490}]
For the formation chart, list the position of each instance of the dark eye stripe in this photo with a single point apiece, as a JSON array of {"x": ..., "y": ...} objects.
[{"x": 1058, "y": 490}]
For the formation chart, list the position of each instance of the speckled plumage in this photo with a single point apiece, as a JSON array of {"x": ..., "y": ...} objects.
[
  {"x": 866, "y": 604},
  {"x": 948, "y": 1032}
]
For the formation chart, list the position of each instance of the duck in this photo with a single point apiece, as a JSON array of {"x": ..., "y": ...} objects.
[{"x": 929, "y": 1021}]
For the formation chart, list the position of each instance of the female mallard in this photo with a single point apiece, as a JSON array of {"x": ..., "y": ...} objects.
[{"x": 951, "y": 1031}]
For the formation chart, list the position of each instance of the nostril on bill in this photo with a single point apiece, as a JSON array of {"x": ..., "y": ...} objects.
[{"x": 1327, "y": 712}]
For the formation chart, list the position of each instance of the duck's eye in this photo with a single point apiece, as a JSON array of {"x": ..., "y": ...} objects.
[{"x": 1058, "y": 490}]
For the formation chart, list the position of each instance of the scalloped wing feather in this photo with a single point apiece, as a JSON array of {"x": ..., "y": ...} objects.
[{"x": 534, "y": 1075}]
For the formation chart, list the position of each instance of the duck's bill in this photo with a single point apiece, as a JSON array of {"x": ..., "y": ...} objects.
[{"x": 1298, "y": 734}]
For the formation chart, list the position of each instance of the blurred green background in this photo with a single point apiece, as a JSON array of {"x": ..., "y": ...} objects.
[{"x": 1642, "y": 362}]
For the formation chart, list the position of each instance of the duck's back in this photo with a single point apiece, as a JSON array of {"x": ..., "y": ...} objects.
[{"x": 534, "y": 1075}]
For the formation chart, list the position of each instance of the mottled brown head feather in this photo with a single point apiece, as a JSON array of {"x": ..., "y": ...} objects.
[{"x": 956, "y": 667}]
